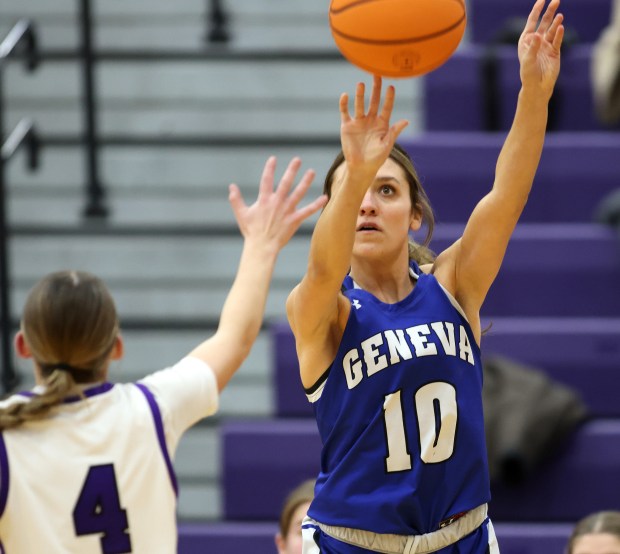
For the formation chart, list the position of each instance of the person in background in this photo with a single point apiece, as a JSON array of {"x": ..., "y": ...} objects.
[
  {"x": 288, "y": 538},
  {"x": 606, "y": 70},
  {"x": 598, "y": 533},
  {"x": 85, "y": 464}
]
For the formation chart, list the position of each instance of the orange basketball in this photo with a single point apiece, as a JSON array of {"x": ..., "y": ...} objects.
[{"x": 397, "y": 38}]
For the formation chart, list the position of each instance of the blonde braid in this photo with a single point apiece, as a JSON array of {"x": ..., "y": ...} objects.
[{"x": 57, "y": 386}]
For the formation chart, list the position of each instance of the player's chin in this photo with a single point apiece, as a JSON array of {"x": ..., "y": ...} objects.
[{"x": 367, "y": 249}]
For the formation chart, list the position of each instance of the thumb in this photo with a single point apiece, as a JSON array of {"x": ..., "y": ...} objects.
[
  {"x": 396, "y": 129},
  {"x": 236, "y": 201},
  {"x": 534, "y": 46}
]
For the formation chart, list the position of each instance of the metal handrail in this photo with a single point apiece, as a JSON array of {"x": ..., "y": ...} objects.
[
  {"x": 22, "y": 33},
  {"x": 211, "y": 54},
  {"x": 95, "y": 197}
]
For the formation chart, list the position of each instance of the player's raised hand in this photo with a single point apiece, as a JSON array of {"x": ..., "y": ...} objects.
[
  {"x": 367, "y": 136},
  {"x": 539, "y": 47},
  {"x": 274, "y": 217}
]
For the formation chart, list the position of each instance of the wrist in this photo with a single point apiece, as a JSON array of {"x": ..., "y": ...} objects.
[
  {"x": 534, "y": 97},
  {"x": 359, "y": 173},
  {"x": 261, "y": 248}
]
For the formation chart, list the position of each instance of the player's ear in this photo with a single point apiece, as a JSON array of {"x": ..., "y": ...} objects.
[
  {"x": 21, "y": 346},
  {"x": 416, "y": 218},
  {"x": 118, "y": 350},
  {"x": 279, "y": 540}
]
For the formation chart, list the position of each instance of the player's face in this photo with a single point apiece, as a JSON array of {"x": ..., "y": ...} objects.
[
  {"x": 292, "y": 544},
  {"x": 597, "y": 543},
  {"x": 385, "y": 215}
]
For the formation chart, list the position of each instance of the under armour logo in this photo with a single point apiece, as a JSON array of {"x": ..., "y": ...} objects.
[{"x": 356, "y": 304}]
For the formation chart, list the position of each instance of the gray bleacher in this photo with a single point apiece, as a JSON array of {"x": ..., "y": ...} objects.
[{"x": 177, "y": 277}]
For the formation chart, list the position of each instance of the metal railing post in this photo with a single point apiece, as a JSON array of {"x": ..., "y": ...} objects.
[
  {"x": 217, "y": 23},
  {"x": 95, "y": 193},
  {"x": 21, "y": 33}
]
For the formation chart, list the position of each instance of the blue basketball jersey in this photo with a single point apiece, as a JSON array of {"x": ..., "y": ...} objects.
[{"x": 400, "y": 415}]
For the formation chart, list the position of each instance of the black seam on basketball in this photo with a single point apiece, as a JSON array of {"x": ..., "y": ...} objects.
[
  {"x": 401, "y": 40},
  {"x": 360, "y": 2},
  {"x": 352, "y": 5}
]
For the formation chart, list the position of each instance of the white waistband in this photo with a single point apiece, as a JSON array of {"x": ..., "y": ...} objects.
[{"x": 386, "y": 543}]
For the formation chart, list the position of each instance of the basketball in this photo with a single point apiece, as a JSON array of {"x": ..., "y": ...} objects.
[{"x": 397, "y": 38}]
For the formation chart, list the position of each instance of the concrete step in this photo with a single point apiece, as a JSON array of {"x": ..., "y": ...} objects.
[
  {"x": 195, "y": 97},
  {"x": 161, "y": 277},
  {"x": 147, "y": 170},
  {"x": 197, "y": 466},
  {"x": 183, "y": 24}
]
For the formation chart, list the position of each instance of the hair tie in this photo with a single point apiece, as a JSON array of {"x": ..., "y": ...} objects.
[{"x": 63, "y": 367}]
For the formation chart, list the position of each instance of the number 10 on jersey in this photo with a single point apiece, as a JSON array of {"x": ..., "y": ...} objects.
[{"x": 436, "y": 410}]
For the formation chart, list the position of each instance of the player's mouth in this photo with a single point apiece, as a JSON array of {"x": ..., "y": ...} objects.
[{"x": 367, "y": 226}]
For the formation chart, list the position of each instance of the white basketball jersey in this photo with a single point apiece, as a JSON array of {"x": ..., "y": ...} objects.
[{"x": 95, "y": 476}]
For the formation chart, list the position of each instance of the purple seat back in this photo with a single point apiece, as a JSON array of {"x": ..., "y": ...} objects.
[
  {"x": 227, "y": 538},
  {"x": 581, "y": 479},
  {"x": 542, "y": 275},
  {"x": 576, "y": 172},
  {"x": 581, "y": 353},
  {"x": 290, "y": 398},
  {"x": 532, "y": 538},
  {"x": 455, "y": 94},
  {"x": 587, "y": 18},
  {"x": 263, "y": 460}
]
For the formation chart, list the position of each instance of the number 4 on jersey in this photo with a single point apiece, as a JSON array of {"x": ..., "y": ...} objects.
[{"x": 98, "y": 511}]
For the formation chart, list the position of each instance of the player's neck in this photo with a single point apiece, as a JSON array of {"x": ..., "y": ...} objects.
[{"x": 388, "y": 284}]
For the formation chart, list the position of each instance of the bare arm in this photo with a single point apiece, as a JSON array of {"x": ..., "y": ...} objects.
[
  {"x": 473, "y": 263},
  {"x": 266, "y": 226},
  {"x": 315, "y": 308}
]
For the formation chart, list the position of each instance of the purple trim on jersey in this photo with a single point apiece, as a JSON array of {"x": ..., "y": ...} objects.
[
  {"x": 93, "y": 391},
  {"x": 159, "y": 427},
  {"x": 4, "y": 478}
]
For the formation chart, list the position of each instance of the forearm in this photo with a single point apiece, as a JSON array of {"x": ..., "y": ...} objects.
[
  {"x": 243, "y": 310},
  {"x": 520, "y": 154},
  {"x": 334, "y": 233}
]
